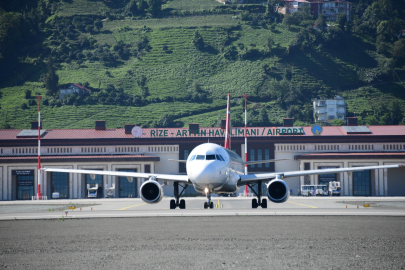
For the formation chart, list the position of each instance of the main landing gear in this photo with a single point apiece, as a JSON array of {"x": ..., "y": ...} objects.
[
  {"x": 177, "y": 202},
  {"x": 208, "y": 204},
  {"x": 258, "y": 202}
]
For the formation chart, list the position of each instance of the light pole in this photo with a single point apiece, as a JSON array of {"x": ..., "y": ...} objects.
[
  {"x": 246, "y": 169},
  {"x": 39, "y": 194}
]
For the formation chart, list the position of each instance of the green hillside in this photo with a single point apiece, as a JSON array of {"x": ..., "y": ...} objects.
[{"x": 173, "y": 65}]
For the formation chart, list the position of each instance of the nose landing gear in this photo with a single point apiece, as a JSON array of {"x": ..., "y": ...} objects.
[
  {"x": 208, "y": 204},
  {"x": 258, "y": 202}
]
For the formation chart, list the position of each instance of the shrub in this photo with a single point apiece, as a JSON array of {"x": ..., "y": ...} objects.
[{"x": 27, "y": 94}]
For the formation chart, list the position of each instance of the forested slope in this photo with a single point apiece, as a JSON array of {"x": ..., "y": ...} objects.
[{"x": 170, "y": 63}]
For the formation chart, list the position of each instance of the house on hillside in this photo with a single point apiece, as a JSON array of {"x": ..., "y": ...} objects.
[
  {"x": 330, "y": 8},
  {"x": 292, "y": 6},
  {"x": 325, "y": 110},
  {"x": 72, "y": 88}
]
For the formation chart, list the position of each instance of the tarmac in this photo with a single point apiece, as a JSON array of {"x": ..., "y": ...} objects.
[
  {"x": 302, "y": 233},
  {"x": 223, "y": 206}
]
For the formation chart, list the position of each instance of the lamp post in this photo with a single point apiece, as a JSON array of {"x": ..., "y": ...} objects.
[
  {"x": 246, "y": 169},
  {"x": 39, "y": 194}
]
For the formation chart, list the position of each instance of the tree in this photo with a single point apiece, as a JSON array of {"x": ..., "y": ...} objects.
[
  {"x": 395, "y": 113},
  {"x": 263, "y": 117},
  {"x": 380, "y": 44},
  {"x": 155, "y": 6},
  {"x": 338, "y": 122},
  {"x": 51, "y": 80},
  {"x": 98, "y": 25},
  {"x": 270, "y": 43},
  {"x": 132, "y": 7},
  {"x": 321, "y": 22},
  {"x": 288, "y": 20},
  {"x": 288, "y": 73},
  {"x": 166, "y": 120},
  {"x": 270, "y": 8},
  {"x": 142, "y": 84},
  {"x": 398, "y": 50},
  {"x": 349, "y": 27},
  {"x": 27, "y": 94},
  {"x": 198, "y": 40},
  {"x": 236, "y": 120},
  {"x": 142, "y": 5},
  {"x": 342, "y": 19}
]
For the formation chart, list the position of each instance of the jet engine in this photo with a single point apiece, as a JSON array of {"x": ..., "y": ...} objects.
[
  {"x": 277, "y": 191},
  {"x": 151, "y": 192}
]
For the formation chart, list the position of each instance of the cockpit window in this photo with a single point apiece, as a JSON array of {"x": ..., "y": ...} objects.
[
  {"x": 210, "y": 157},
  {"x": 219, "y": 157},
  {"x": 192, "y": 158},
  {"x": 200, "y": 157}
]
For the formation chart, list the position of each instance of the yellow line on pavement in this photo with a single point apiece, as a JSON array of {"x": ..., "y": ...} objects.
[
  {"x": 131, "y": 206},
  {"x": 302, "y": 204}
]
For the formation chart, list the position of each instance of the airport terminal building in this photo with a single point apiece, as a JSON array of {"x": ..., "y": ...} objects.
[{"x": 148, "y": 150}]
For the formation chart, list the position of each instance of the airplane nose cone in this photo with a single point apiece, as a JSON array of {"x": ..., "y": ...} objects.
[{"x": 205, "y": 175}]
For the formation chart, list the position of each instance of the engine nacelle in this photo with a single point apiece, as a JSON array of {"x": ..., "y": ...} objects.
[
  {"x": 151, "y": 192},
  {"x": 277, "y": 191}
]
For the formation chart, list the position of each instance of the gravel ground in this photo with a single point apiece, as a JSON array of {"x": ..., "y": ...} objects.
[
  {"x": 27, "y": 208},
  {"x": 239, "y": 242}
]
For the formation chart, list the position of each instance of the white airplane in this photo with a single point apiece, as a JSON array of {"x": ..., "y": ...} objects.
[{"x": 212, "y": 168}]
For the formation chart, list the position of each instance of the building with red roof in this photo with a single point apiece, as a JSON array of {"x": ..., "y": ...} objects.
[
  {"x": 148, "y": 150},
  {"x": 73, "y": 88}
]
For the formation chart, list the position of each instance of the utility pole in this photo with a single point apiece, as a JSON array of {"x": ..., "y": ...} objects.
[
  {"x": 246, "y": 169},
  {"x": 39, "y": 194}
]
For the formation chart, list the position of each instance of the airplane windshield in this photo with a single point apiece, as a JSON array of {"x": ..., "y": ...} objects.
[{"x": 207, "y": 157}]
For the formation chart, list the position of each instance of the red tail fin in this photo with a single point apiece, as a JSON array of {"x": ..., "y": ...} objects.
[{"x": 228, "y": 125}]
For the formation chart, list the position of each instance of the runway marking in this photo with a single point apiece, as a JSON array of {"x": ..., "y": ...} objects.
[
  {"x": 302, "y": 204},
  {"x": 131, "y": 206}
]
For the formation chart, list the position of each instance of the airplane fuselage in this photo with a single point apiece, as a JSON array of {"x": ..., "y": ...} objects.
[{"x": 210, "y": 166}]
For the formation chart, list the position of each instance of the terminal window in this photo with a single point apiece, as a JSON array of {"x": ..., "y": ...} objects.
[{"x": 60, "y": 184}]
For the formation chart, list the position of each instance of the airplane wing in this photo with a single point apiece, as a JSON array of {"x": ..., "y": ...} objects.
[
  {"x": 178, "y": 160},
  {"x": 263, "y": 161},
  {"x": 164, "y": 177},
  {"x": 251, "y": 178}
]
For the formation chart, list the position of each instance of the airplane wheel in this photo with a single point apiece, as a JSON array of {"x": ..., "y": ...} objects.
[
  {"x": 211, "y": 205},
  {"x": 172, "y": 204},
  {"x": 182, "y": 204},
  {"x": 205, "y": 205},
  {"x": 264, "y": 203},
  {"x": 254, "y": 203}
]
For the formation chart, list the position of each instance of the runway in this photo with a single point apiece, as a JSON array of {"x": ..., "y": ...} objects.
[
  {"x": 303, "y": 233},
  {"x": 224, "y": 206}
]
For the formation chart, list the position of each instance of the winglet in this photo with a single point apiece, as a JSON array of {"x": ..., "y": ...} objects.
[{"x": 227, "y": 144}]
